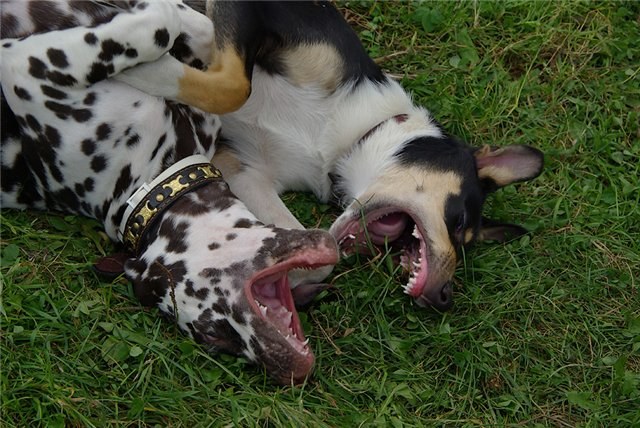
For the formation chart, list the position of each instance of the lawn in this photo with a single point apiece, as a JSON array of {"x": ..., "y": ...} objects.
[{"x": 545, "y": 330}]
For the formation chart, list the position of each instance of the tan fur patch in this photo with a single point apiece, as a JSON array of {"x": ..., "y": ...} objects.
[
  {"x": 227, "y": 162},
  {"x": 501, "y": 176},
  {"x": 468, "y": 236},
  {"x": 424, "y": 193},
  {"x": 318, "y": 63},
  {"x": 222, "y": 88}
]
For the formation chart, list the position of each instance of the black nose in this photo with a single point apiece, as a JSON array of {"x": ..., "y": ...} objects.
[
  {"x": 441, "y": 299},
  {"x": 444, "y": 299}
]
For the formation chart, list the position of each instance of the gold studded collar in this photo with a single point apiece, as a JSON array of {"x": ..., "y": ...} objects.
[{"x": 151, "y": 199}]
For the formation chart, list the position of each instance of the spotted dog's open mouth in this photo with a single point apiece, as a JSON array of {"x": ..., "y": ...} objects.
[
  {"x": 274, "y": 301},
  {"x": 269, "y": 295},
  {"x": 395, "y": 229}
]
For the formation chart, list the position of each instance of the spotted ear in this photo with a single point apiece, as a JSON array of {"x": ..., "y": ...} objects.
[
  {"x": 499, "y": 166},
  {"x": 491, "y": 230}
]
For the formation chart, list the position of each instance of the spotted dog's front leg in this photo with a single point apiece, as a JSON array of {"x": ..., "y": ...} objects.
[
  {"x": 78, "y": 57},
  {"x": 222, "y": 88}
]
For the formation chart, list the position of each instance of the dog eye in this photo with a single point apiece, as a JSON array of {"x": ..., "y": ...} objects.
[{"x": 460, "y": 223}]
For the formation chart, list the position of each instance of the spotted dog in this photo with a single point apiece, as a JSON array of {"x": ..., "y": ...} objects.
[
  {"x": 76, "y": 140},
  {"x": 323, "y": 117}
]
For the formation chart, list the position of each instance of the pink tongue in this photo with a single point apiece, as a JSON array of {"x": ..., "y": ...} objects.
[
  {"x": 390, "y": 227},
  {"x": 268, "y": 295}
]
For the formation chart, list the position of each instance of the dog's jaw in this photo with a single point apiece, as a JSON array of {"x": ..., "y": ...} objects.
[{"x": 387, "y": 229}]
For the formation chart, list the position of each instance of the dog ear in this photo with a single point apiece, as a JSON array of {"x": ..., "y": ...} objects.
[
  {"x": 499, "y": 166},
  {"x": 492, "y": 230}
]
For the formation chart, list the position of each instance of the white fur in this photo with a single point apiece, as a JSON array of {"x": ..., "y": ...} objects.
[{"x": 291, "y": 137}]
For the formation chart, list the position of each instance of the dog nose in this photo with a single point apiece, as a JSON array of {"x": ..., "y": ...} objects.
[
  {"x": 440, "y": 299},
  {"x": 444, "y": 299}
]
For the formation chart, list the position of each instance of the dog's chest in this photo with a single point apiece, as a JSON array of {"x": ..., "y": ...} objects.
[{"x": 279, "y": 131}]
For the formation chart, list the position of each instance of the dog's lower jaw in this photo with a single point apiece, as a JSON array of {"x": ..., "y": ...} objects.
[{"x": 234, "y": 298}]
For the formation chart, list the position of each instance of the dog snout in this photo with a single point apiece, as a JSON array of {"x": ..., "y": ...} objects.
[{"x": 440, "y": 298}]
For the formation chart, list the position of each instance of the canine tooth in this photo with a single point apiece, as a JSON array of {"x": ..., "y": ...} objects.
[
  {"x": 415, "y": 232},
  {"x": 416, "y": 264},
  {"x": 306, "y": 342},
  {"x": 351, "y": 236}
]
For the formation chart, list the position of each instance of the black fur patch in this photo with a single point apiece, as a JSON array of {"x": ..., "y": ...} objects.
[
  {"x": 131, "y": 53},
  {"x": 103, "y": 131},
  {"x": 33, "y": 123},
  {"x": 90, "y": 38},
  {"x": 22, "y": 93},
  {"x": 214, "y": 275},
  {"x": 88, "y": 147},
  {"x": 89, "y": 184},
  {"x": 61, "y": 79},
  {"x": 124, "y": 181},
  {"x": 37, "y": 68},
  {"x": 243, "y": 223},
  {"x": 98, "y": 163},
  {"x": 99, "y": 71},
  {"x": 90, "y": 99},
  {"x": 110, "y": 49},
  {"x": 57, "y": 58},
  {"x": 52, "y": 92},
  {"x": 161, "y": 38},
  {"x": 159, "y": 145}
]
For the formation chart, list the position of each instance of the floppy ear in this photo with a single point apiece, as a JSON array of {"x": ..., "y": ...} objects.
[
  {"x": 499, "y": 166},
  {"x": 491, "y": 230}
]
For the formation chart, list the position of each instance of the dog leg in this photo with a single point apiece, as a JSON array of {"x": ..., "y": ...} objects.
[
  {"x": 222, "y": 88},
  {"x": 81, "y": 56},
  {"x": 261, "y": 197}
]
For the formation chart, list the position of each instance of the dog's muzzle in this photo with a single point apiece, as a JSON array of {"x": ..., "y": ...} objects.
[{"x": 151, "y": 199}]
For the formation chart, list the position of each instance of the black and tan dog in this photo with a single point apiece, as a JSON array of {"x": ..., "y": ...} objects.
[{"x": 323, "y": 117}]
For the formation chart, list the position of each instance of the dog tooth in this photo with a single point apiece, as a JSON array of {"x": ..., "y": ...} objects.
[
  {"x": 351, "y": 236},
  {"x": 306, "y": 342}
]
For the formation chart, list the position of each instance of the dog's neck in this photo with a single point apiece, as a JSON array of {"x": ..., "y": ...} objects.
[{"x": 369, "y": 134}]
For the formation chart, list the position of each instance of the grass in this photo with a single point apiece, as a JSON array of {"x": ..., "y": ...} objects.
[{"x": 545, "y": 331}]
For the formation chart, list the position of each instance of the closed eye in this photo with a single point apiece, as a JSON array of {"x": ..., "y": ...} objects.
[{"x": 460, "y": 223}]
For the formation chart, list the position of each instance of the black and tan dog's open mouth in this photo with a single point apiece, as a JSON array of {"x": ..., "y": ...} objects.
[{"x": 391, "y": 229}]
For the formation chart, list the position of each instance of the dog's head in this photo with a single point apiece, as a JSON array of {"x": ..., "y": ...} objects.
[
  {"x": 209, "y": 265},
  {"x": 422, "y": 199}
]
